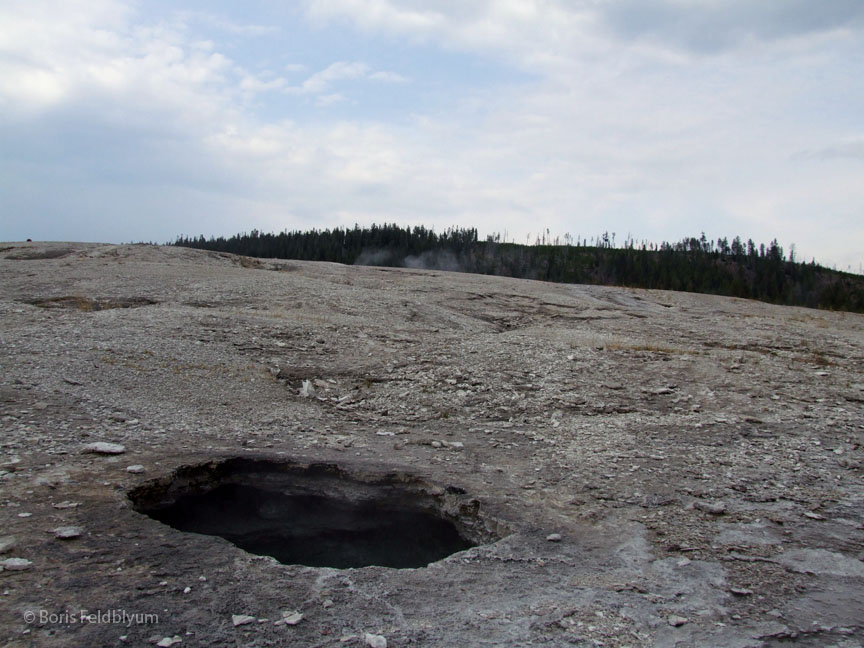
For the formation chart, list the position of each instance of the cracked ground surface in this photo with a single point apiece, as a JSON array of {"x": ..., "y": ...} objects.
[{"x": 700, "y": 457}]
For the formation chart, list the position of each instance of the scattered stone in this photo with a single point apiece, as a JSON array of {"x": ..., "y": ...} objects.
[
  {"x": 677, "y": 621},
  {"x": 67, "y": 532},
  {"x": 740, "y": 591},
  {"x": 7, "y": 544},
  {"x": 375, "y": 641},
  {"x": 241, "y": 619},
  {"x": 169, "y": 641},
  {"x": 292, "y": 617},
  {"x": 813, "y": 516},
  {"x": 554, "y": 537},
  {"x": 135, "y": 469},
  {"x": 187, "y": 589},
  {"x": 16, "y": 564},
  {"x": 327, "y": 604},
  {"x": 102, "y": 447},
  {"x": 714, "y": 508},
  {"x": 821, "y": 561},
  {"x": 435, "y": 444},
  {"x": 25, "y": 515},
  {"x": 307, "y": 390},
  {"x": 67, "y": 505}
]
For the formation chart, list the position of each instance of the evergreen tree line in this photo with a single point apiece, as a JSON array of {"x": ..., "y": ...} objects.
[{"x": 723, "y": 267}]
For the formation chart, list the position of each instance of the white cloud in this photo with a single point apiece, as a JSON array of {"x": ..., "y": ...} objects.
[
  {"x": 321, "y": 82},
  {"x": 374, "y": 14},
  {"x": 388, "y": 77},
  {"x": 624, "y": 124},
  {"x": 852, "y": 149},
  {"x": 713, "y": 26},
  {"x": 329, "y": 99},
  {"x": 217, "y": 22},
  {"x": 339, "y": 71},
  {"x": 527, "y": 33},
  {"x": 256, "y": 84}
]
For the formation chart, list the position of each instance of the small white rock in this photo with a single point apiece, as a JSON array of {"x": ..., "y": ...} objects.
[
  {"x": 714, "y": 508},
  {"x": 102, "y": 447},
  {"x": 136, "y": 468},
  {"x": 67, "y": 532},
  {"x": 307, "y": 390},
  {"x": 375, "y": 641},
  {"x": 16, "y": 564},
  {"x": 292, "y": 618},
  {"x": 67, "y": 505},
  {"x": 186, "y": 590},
  {"x": 167, "y": 642},
  {"x": 7, "y": 544},
  {"x": 554, "y": 537},
  {"x": 241, "y": 619},
  {"x": 676, "y": 620}
]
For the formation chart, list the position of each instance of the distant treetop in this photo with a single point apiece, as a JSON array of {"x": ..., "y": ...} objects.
[{"x": 721, "y": 267}]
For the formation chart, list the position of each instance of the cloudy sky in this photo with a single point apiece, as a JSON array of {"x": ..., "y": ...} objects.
[{"x": 128, "y": 120}]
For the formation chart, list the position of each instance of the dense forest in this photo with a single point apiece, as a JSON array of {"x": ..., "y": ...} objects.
[{"x": 722, "y": 267}]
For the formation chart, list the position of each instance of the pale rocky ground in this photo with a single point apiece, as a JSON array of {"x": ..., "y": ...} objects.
[{"x": 699, "y": 456}]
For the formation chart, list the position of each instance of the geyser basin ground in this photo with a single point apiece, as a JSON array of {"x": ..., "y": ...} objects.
[
  {"x": 316, "y": 515},
  {"x": 600, "y": 414}
]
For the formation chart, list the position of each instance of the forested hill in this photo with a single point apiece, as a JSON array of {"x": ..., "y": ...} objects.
[{"x": 721, "y": 267}]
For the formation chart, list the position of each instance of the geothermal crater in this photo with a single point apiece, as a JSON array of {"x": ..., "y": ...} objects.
[{"x": 317, "y": 515}]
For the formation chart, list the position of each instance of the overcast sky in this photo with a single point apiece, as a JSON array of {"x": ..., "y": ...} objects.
[{"x": 126, "y": 120}]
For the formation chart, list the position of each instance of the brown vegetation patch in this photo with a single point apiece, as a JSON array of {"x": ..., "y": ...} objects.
[{"x": 89, "y": 304}]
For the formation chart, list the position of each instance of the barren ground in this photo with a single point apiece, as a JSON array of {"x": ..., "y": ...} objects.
[{"x": 699, "y": 456}]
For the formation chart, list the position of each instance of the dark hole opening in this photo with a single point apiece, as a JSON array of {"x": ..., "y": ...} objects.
[{"x": 318, "y": 519}]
